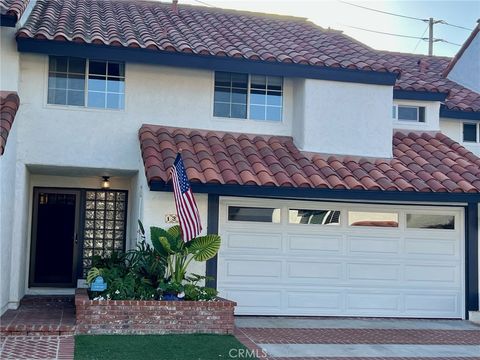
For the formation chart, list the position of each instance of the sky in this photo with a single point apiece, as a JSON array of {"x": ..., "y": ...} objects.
[{"x": 341, "y": 16}]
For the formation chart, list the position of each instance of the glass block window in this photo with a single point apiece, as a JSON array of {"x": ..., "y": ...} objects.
[
  {"x": 105, "y": 224},
  {"x": 66, "y": 81},
  {"x": 106, "y": 84},
  {"x": 230, "y": 98},
  {"x": 83, "y": 82},
  {"x": 242, "y": 96},
  {"x": 266, "y": 97}
]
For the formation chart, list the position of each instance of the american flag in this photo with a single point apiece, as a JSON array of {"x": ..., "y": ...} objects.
[{"x": 187, "y": 211}]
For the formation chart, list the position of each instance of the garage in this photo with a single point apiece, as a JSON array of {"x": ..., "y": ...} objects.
[{"x": 288, "y": 257}]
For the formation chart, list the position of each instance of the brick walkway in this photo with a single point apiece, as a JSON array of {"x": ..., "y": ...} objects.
[
  {"x": 41, "y": 328},
  {"x": 310, "y": 339}
]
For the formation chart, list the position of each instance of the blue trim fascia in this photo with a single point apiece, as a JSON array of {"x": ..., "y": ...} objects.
[
  {"x": 458, "y": 114},
  {"x": 8, "y": 21},
  {"x": 471, "y": 258},
  {"x": 309, "y": 193},
  {"x": 105, "y": 52},
  {"x": 419, "y": 95},
  {"x": 212, "y": 228}
]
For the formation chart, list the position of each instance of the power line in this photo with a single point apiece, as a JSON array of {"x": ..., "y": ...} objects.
[
  {"x": 203, "y": 3},
  {"x": 383, "y": 12},
  {"x": 456, "y": 26},
  {"x": 422, "y": 37},
  {"x": 449, "y": 42},
  {"x": 443, "y": 22},
  {"x": 386, "y": 33}
]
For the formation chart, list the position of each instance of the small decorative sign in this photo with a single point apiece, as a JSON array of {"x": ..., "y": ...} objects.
[
  {"x": 171, "y": 219},
  {"x": 98, "y": 284}
]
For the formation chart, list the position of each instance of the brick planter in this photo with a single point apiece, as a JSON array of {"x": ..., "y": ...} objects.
[{"x": 152, "y": 317}]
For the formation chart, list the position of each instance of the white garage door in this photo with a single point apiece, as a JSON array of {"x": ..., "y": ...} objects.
[{"x": 333, "y": 259}]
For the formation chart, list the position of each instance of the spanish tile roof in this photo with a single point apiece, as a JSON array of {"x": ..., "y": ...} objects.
[
  {"x": 9, "y": 103},
  {"x": 234, "y": 34},
  {"x": 423, "y": 162},
  {"x": 13, "y": 8},
  {"x": 425, "y": 73},
  {"x": 198, "y": 30}
]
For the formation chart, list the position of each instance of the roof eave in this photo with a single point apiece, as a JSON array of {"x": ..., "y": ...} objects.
[
  {"x": 94, "y": 51},
  {"x": 322, "y": 193},
  {"x": 458, "y": 114},
  {"x": 419, "y": 95},
  {"x": 8, "y": 20}
]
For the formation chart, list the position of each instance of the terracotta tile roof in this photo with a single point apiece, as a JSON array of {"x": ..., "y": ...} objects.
[
  {"x": 9, "y": 103},
  {"x": 424, "y": 162},
  {"x": 235, "y": 34},
  {"x": 199, "y": 30},
  {"x": 13, "y": 8},
  {"x": 425, "y": 73}
]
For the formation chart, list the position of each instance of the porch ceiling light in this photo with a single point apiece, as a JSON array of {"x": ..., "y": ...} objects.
[{"x": 106, "y": 182}]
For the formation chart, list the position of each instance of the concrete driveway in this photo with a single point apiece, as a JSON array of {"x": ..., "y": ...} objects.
[{"x": 343, "y": 338}]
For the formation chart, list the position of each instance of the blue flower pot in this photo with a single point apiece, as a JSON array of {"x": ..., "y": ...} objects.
[{"x": 171, "y": 297}]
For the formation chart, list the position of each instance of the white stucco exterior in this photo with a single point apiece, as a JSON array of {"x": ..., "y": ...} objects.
[
  {"x": 343, "y": 118},
  {"x": 453, "y": 128},
  {"x": 466, "y": 70},
  {"x": 432, "y": 119},
  {"x": 72, "y": 147}
]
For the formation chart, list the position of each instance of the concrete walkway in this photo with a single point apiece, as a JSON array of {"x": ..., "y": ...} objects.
[{"x": 359, "y": 338}]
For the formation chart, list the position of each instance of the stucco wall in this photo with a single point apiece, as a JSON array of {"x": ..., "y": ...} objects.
[
  {"x": 432, "y": 119},
  {"x": 7, "y": 209},
  {"x": 453, "y": 128},
  {"x": 466, "y": 71},
  {"x": 343, "y": 118},
  {"x": 9, "y": 59}
]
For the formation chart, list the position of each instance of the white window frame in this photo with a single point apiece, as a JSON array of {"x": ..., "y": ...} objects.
[
  {"x": 248, "y": 100},
  {"x": 87, "y": 73},
  {"x": 477, "y": 132},
  {"x": 395, "y": 115}
]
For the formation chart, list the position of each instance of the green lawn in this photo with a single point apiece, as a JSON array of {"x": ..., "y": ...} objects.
[{"x": 158, "y": 347}]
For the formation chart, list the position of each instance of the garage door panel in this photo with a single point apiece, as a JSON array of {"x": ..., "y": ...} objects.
[
  {"x": 358, "y": 302},
  {"x": 373, "y": 272},
  {"x": 315, "y": 243},
  {"x": 432, "y": 303},
  {"x": 445, "y": 247},
  {"x": 317, "y": 301},
  {"x": 311, "y": 271},
  {"x": 438, "y": 274},
  {"x": 253, "y": 241},
  {"x": 343, "y": 270},
  {"x": 367, "y": 244},
  {"x": 255, "y": 298},
  {"x": 245, "y": 269}
]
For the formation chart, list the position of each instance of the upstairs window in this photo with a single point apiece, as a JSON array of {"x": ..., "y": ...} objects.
[
  {"x": 409, "y": 113},
  {"x": 470, "y": 132},
  {"x": 83, "y": 82},
  {"x": 243, "y": 96}
]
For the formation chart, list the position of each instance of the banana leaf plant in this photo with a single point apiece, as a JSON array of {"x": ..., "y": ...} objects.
[{"x": 179, "y": 254}]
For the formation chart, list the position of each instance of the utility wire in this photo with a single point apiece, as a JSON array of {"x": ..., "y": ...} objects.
[
  {"x": 443, "y": 22},
  {"x": 383, "y": 12},
  {"x": 386, "y": 33},
  {"x": 419, "y": 40},
  {"x": 449, "y": 42},
  {"x": 203, "y": 3}
]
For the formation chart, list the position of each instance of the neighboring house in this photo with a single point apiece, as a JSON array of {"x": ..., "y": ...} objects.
[{"x": 325, "y": 204}]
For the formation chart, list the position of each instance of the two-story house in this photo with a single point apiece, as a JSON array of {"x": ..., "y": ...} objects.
[{"x": 335, "y": 173}]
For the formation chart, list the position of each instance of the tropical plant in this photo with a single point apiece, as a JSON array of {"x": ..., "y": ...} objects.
[{"x": 179, "y": 254}]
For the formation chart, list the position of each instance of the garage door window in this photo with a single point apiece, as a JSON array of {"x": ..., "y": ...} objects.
[
  {"x": 427, "y": 221},
  {"x": 377, "y": 219},
  {"x": 307, "y": 216},
  {"x": 255, "y": 214}
]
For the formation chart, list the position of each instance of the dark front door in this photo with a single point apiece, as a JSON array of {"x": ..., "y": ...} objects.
[{"x": 54, "y": 238}]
